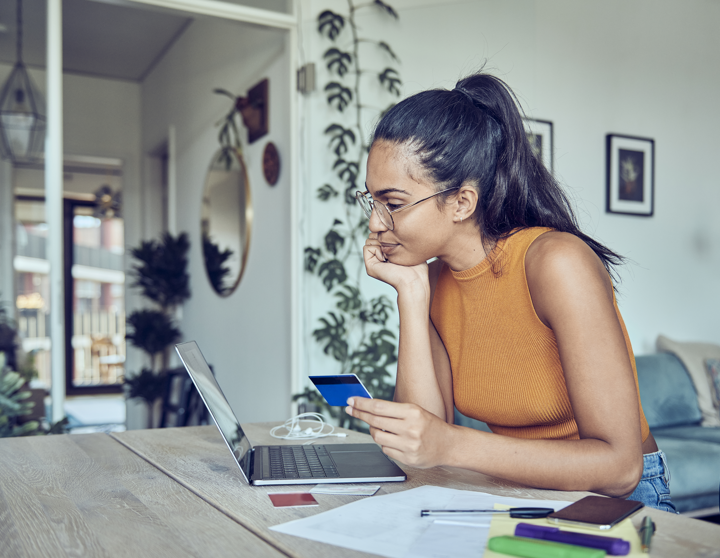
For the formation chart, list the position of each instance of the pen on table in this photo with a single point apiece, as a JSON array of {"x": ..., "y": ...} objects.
[
  {"x": 647, "y": 530},
  {"x": 612, "y": 545},
  {"x": 522, "y": 513}
]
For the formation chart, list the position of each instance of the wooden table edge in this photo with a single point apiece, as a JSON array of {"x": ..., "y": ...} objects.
[{"x": 210, "y": 501}]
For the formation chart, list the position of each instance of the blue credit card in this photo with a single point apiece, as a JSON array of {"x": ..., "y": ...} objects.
[{"x": 337, "y": 388}]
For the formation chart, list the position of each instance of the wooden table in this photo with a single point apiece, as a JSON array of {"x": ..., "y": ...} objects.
[{"x": 177, "y": 492}]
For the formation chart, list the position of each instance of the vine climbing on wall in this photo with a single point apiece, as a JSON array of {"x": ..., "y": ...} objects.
[{"x": 355, "y": 332}]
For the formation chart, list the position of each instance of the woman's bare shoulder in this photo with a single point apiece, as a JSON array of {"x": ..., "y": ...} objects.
[
  {"x": 561, "y": 269},
  {"x": 556, "y": 251}
]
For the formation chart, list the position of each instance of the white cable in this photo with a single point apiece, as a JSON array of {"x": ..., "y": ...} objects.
[{"x": 295, "y": 432}]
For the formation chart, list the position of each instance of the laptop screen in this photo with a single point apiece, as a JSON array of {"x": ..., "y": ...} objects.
[{"x": 217, "y": 404}]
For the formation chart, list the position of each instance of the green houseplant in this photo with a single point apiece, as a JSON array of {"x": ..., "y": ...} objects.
[
  {"x": 355, "y": 333},
  {"x": 19, "y": 412},
  {"x": 160, "y": 272},
  {"x": 14, "y": 405},
  {"x": 8, "y": 338}
]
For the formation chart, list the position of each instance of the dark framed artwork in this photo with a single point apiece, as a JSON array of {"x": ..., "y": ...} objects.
[
  {"x": 540, "y": 136},
  {"x": 630, "y": 175}
]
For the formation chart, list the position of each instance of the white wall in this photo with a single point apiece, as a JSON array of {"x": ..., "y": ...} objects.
[
  {"x": 246, "y": 336},
  {"x": 637, "y": 67}
]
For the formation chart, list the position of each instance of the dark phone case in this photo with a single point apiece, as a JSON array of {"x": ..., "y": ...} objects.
[{"x": 596, "y": 511}]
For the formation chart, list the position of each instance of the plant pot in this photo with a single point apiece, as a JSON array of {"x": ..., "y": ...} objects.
[{"x": 37, "y": 397}]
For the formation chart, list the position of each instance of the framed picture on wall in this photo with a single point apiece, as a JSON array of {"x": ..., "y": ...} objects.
[
  {"x": 630, "y": 175},
  {"x": 540, "y": 135}
]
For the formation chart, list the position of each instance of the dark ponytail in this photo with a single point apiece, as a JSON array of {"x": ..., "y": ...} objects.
[{"x": 475, "y": 133}]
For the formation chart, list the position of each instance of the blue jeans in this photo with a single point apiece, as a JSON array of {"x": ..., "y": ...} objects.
[{"x": 653, "y": 489}]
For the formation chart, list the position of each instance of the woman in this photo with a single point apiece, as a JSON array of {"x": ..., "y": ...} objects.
[{"x": 515, "y": 323}]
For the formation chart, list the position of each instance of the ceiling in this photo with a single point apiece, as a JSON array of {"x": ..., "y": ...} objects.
[
  {"x": 99, "y": 39},
  {"x": 105, "y": 38}
]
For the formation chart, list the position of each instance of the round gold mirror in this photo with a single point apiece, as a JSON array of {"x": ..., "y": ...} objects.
[{"x": 226, "y": 220}]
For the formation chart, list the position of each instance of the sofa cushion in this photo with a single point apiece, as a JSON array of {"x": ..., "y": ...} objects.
[
  {"x": 666, "y": 391},
  {"x": 693, "y": 356},
  {"x": 712, "y": 365},
  {"x": 699, "y": 433},
  {"x": 694, "y": 467}
]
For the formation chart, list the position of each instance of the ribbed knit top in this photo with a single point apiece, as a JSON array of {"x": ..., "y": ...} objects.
[{"x": 506, "y": 367}]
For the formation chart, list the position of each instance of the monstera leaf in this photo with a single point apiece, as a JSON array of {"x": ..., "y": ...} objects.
[
  {"x": 334, "y": 241},
  {"x": 339, "y": 138},
  {"x": 346, "y": 170},
  {"x": 386, "y": 47},
  {"x": 312, "y": 256},
  {"x": 338, "y": 61},
  {"x": 386, "y": 8},
  {"x": 379, "y": 311},
  {"x": 390, "y": 80},
  {"x": 326, "y": 191},
  {"x": 348, "y": 299},
  {"x": 339, "y": 95},
  {"x": 332, "y": 272},
  {"x": 332, "y": 335},
  {"x": 330, "y": 24}
]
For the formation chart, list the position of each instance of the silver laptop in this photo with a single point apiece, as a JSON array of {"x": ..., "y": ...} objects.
[{"x": 287, "y": 464}]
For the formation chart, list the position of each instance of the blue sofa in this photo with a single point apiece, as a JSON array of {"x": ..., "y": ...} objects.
[
  {"x": 693, "y": 452},
  {"x": 670, "y": 405}
]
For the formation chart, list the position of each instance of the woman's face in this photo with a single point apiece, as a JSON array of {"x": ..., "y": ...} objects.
[{"x": 395, "y": 179}]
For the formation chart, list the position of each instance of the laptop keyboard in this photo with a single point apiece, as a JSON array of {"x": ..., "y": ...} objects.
[{"x": 298, "y": 462}]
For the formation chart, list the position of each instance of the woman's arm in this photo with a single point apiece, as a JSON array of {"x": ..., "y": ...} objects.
[
  {"x": 423, "y": 372},
  {"x": 572, "y": 295}
]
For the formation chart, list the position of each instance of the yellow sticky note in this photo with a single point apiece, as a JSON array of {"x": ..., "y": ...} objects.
[{"x": 502, "y": 524}]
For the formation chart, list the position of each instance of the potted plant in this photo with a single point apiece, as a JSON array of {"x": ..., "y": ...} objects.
[
  {"x": 22, "y": 408},
  {"x": 8, "y": 339},
  {"x": 161, "y": 274}
]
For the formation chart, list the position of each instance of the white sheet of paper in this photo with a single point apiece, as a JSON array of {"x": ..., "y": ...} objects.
[
  {"x": 390, "y": 525},
  {"x": 352, "y": 490},
  {"x": 467, "y": 540}
]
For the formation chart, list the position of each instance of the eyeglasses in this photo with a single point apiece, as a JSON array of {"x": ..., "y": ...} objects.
[{"x": 384, "y": 213}]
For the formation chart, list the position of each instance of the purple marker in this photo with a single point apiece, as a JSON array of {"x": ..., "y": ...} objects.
[{"x": 613, "y": 546}]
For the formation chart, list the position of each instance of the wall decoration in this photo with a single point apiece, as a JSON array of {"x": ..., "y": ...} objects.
[
  {"x": 108, "y": 204},
  {"x": 226, "y": 221},
  {"x": 271, "y": 164},
  {"x": 253, "y": 109},
  {"x": 630, "y": 175},
  {"x": 540, "y": 136}
]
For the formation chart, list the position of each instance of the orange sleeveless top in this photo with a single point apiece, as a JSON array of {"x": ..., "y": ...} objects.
[{"x": 506, "y": 367}]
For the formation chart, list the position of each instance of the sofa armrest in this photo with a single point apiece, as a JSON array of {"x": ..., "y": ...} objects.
[{"x": 666, "y": 391}]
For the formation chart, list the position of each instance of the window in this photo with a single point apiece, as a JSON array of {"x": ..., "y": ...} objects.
[{"x": 94, "y": 280}]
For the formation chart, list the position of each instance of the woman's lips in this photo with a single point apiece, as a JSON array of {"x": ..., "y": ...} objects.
[{"x": 388, "y": 248}]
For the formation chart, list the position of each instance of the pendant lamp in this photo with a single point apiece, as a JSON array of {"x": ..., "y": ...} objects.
[{"x": 22, "y": 110}]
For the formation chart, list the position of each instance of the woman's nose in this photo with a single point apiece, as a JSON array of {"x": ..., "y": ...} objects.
[{"x": 376, "y": 224}]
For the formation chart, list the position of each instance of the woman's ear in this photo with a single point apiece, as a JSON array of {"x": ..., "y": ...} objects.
[{"x": 466, "y": 201}]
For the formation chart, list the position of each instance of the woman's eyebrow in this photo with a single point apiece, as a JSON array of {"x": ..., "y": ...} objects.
[{"x": 386, "y": 191}]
